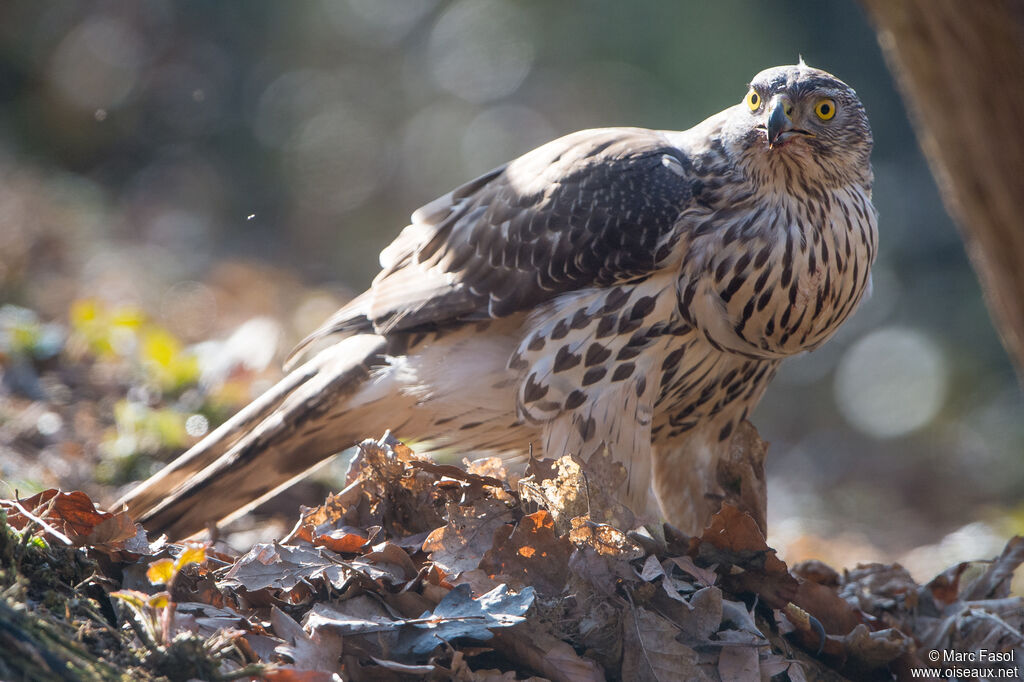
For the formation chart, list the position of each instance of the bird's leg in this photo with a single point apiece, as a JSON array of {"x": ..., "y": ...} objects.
[{"x": 686, "y": 483}]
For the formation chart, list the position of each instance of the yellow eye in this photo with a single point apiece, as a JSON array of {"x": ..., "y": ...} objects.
[
  {"x": 825, "y": 109},
  {"x": 753, "y": 100}
]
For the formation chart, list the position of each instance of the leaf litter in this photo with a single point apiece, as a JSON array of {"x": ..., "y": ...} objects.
[{"x": 420, "y": 570}]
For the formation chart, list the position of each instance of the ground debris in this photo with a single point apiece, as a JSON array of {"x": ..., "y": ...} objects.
[{"x": 418, "y": 570}]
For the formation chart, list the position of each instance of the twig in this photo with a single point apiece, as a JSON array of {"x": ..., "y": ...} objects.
[{"x": 42, "y": 524}]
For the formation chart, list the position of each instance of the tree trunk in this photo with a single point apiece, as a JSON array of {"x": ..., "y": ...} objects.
[{"x": 960, "y": 66}]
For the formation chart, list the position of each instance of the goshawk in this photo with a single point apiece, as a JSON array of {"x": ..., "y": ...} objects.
[{"x": 618, "y": 288}]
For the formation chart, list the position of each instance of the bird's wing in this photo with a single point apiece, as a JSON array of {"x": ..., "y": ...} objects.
[{"x": 588, "y": 209}]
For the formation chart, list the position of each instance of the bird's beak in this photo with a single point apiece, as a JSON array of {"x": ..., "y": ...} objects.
[
  {"x": 778, "y": 121},
  {"x": 780, "y": 126}
]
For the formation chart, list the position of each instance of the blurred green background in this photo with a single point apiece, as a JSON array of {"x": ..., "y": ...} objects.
[{"x": 146, "y": 143}]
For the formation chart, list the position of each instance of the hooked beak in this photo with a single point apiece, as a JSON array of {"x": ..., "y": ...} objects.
[{"x": 780, "y": 125}]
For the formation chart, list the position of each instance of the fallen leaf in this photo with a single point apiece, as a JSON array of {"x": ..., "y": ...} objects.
[
  {"x": 739, "y": 624},
  {"x": 320, "y": 651},
  {"x": 478, "y": 580},
  {"x": 705, "y": 615},
  {"x": 740, "y": 474},
  {"x": 493, "y": 467},
  {"x": 651, "y": 652},
  {"x": 652, "y": 569},
  {"x": 559, "y": 486},
  {"x": 705, "y": 576},
  {"x": 283, "y": 567},
  {"x": 605, "y": 476},
  {"x": 473, "y": 481},
  {"x": 402, "y": 499},
  {"x": 321, "y": 617},
  {"x": 210, "y": 619},
  {"x": 459, "y": 615},
  {"x": 833, "y": 612},
  {"x": 390, "y": 558},
  {"x": 461, "y": 543},
  {"x": 995, "y": 582},
  {"x": 113, "y": 533},
  {"x": 530, "y": 553},
  {"x": 551, "y": 657},
  {"x": 733, "y": 540},
  {"x": 604, "y": 539},
  {"x": 874, "y": 650},
  {"x": 739, "y": 664},
  {"x": 344, "y": 540},
  {"x": 74, "y": 516},
  {"x": 348, "y": 509},
  {"x": 361, "y": 619},
  {"x": 817, "y": 572}
]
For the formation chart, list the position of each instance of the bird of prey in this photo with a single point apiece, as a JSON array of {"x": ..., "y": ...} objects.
[{"x": 623, "y": 289}]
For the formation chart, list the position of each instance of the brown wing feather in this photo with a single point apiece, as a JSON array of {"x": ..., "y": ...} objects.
[{"x": 588, "y": 209}]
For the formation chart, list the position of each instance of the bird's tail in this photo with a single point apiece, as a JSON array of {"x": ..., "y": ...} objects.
[{"x": 305, "y": 418}]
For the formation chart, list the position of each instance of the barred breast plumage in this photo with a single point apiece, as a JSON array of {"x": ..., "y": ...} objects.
[{"x": 619, "y": 288}]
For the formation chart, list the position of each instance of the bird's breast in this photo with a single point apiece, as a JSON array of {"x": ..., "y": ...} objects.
[{"x": 779, "y": 275}]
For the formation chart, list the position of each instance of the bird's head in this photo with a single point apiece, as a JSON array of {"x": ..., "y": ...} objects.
[{"x": 803, "y": 123}]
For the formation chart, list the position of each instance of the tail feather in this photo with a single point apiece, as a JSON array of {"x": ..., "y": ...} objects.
[{"x": 303, "y": 420}]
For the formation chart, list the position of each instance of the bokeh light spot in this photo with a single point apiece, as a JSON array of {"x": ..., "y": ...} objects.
[
  {"x": 197, "y": 425},
  {"x": 49, "y": 423},
  {"x": 479, "y": 49},
  {"x": 891, "y": 382},
  {"x": 336, "y": 161},
  {"x": 97, "y": 64}
]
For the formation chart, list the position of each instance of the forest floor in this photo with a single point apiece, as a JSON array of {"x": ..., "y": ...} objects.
[{"x": 416, "y": 569}]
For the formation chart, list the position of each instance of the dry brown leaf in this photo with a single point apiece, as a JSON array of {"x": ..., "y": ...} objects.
[
  {"x": 403, "y": 499},
  {"x": 460, "y": 544},
  {"x": 704, "y": 616},
  {"x": 567, "y": 488},
  {"x": 392, "y": 559},
  {"x": 285, "y": 568},
  {"x": 604, "y": 539},
  {"x": 651, "y": 652},
  {"x": 605, "y": 477},
  {"x": 478, "y": 581},
  {"x": 530, "y": 553},
  {"x": 474, "y": 483},
  {"x": 739, "y": 664},
  {"x": 409, "y": 604},
  {"x": 874, "y": 650},
  {"x": 349, "y": 508},
  {"x": 995, "y": 582},
  {"x": 320, "y": 651},
  {"x": 493, "y": 467},
  {"x": 75, "y": 516},
  {"x": 362, "y": 622},
  {"x": 651, "y": 570},
  {"x": 704, "y": 576},
  {"x": 558, "y": 486},
  {"x": 834, "y": 613},
  {"x": 544, "y": 653},
  {"x": 345, "y": 540},
  {"x": 740, "y": 474},
  {"x": 887, "y": 582},
  {"x": 733, "y": 540}
]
